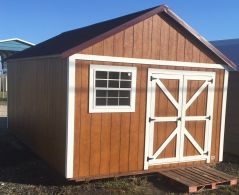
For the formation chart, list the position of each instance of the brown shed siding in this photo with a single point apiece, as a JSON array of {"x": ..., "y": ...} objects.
[
  {"x": 37, "y": 90},
  {"x": 113, "y": 143},
  {"x": 155, "y": 38},
  {"x": 110, "y": 144}
]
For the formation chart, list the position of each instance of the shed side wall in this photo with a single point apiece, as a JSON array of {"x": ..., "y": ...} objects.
[
  {"x": 37, "y": 90},
  {"x": 232, "y": 123}
]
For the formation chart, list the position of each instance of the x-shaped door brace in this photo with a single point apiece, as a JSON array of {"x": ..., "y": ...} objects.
[{"x": 190, "y": 118}]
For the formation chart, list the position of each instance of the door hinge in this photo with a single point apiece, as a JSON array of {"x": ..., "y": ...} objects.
[
  {"x": 179, "y": 119},
  {"x": 210, "y": 81},
  {"x": 208, "y": 117},
  {"x": 148, "y": 158},
  {"x": 151, "y": 119},
  {"x": 205, "y": 153},
  {"x": 152, "y": 78}
]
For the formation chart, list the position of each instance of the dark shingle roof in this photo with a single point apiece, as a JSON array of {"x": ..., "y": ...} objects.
[
  {"x": 230, "y": 48},
  {"x": 73, "y": 38}
]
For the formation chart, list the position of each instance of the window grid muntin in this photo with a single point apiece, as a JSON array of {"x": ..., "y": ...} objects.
[{"x": 108, "y": 88}]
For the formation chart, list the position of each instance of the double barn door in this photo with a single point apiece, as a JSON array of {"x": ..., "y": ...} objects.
[{"x": 179, "y": 116}]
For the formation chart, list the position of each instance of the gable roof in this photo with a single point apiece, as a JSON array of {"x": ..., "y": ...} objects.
[
  {"x": 230, "y": 48},
  {"x": 73, "y": 41}
]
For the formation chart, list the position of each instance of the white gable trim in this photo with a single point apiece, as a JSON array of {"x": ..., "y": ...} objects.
[{"x": 147, "y": 61}]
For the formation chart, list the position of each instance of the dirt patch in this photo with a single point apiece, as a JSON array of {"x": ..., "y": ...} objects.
[{"x": 22, "y": 172}]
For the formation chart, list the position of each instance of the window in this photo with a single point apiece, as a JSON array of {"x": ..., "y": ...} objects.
[{"x": 112, "y": 88}]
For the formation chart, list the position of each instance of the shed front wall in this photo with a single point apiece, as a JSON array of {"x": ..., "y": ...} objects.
[
  {"x": 37, "y": 92},
  {"x": 109, "y": 144}
]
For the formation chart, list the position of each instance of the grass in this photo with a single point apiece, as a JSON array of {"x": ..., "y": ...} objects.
[
  {"x": 3, "y": 101},
  {"x": 3, "y": 96},
  {"x": 130, "y": 184}
]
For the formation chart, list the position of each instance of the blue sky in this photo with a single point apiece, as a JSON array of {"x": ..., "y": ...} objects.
[{"x": 36, "y": 21}]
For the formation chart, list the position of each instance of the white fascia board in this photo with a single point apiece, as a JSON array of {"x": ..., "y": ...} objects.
[{"x": 146, "y": 61}]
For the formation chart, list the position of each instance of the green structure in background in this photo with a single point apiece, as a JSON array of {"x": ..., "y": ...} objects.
[{"x": 9, "y": 47}]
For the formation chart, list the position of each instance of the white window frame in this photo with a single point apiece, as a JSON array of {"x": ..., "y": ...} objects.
[{"x": 92, "y": 89}]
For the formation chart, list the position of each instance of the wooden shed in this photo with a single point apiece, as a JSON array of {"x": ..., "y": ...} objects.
[{"x": 130, "y": 95}]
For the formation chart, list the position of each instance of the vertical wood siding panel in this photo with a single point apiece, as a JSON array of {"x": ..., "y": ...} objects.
[
  {"x": 126, "y": 117},
  {"x": 215, "y": 116},
  {"x": 164, "y": 40},
  {"x": 172, "y": 44},
  {"x": 78, "y": 92},
  {"x": 156, "y": 42},
  {"x": 137, "y": 37},
  {"x": 85, "y": 135},
  {"x": 181, "y": 47},
  {"x": 106, "y": 123},
  {"x": 137, "y": 40},
  {"x": 147, "y": 38},
  {"x": 116, "y": 121},
  {"x": 95, "y": 128},
  {"x": 142, "y": 115},
  {"x": 134, "y": 128}
]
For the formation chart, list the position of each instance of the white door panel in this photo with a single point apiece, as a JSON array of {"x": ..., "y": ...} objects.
[{"x": 181, "y": 104}]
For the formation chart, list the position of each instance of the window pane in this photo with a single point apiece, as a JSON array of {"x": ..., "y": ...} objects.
[
  {"x": 100, "y": 101},
  {"x": 113, "y": 84},
  {"x": 101, "y": 83},
  {"x": 114, "y": 75},
  {"x": 113, "y": 101},
  {"x": 101, "y": 74},
  {"x": 113, "y": 93},
  {"x": 125, "y": 84},
  {"x": 124, "y": 101},
  {"x": 101, "y": 93},
  {"x": 124, "y": 94},
  {"x": 126, "y": 75}
]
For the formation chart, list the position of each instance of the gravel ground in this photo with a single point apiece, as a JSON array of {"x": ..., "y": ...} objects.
[{"x": 21, "y": 172}]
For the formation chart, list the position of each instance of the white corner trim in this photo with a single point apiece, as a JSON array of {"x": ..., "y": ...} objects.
[
  {"x": 146, "y": 61},
  {"x": 223, "y": 116},
  {"x": 70, "y": 120}
]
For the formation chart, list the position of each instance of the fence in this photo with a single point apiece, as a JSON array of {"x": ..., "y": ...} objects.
[{"x": 3, "y": 87}]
